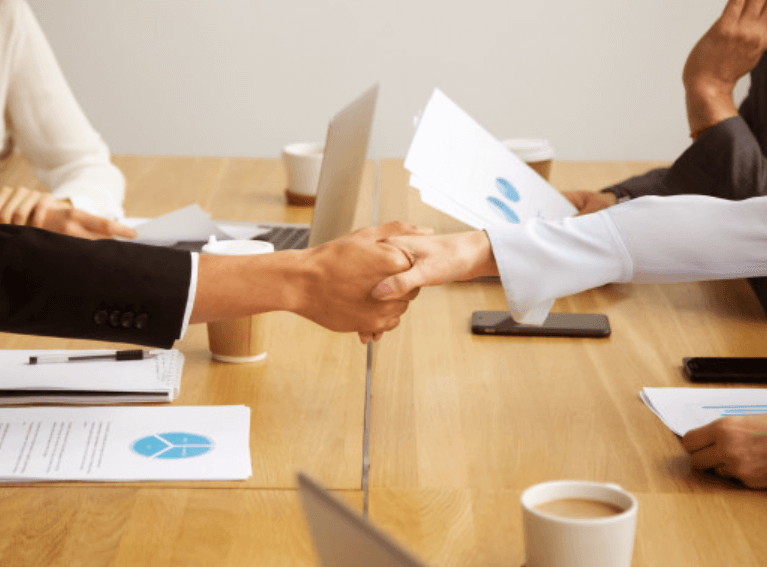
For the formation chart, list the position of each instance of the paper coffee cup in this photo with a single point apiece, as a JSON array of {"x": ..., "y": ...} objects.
[
  {"x": 237, "y": 340},
  {"x": 536, "y": 153},
  {"x": 563, "y": 529},
  {"x": 303, "y": 162}
]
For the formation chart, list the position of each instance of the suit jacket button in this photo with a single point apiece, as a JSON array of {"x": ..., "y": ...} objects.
[
  {"x": 100, "y": 317},
  {"x": 114, "y": 318},
  {"x": 126, "y": 321},
  {"x": 141, "y": 321}
]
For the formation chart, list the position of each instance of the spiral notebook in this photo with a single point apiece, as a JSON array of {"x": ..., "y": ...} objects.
[{"x": 153, "y": 379}]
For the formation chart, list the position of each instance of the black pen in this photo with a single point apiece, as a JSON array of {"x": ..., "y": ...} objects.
[{"x": 137, "y": 354}]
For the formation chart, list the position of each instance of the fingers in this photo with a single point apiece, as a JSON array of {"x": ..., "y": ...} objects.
[
  {"x": 91, "y": 226},
  {"x": 396, "y": 286},
  {"x": 13, "y": 198},
  {"x": 700, "y": 438},
  {"x": 733, "y": 10},
  {"x": 44, "y": 206},
  {"x": 398, "y": 228},
  {"x": 706, "y": 458}
]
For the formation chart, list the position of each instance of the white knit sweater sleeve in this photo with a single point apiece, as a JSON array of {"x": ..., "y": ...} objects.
[{"x": 47, "y": 123}]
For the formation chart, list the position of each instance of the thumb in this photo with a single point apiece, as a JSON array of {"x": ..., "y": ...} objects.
[{"x": 397, "y": 285}]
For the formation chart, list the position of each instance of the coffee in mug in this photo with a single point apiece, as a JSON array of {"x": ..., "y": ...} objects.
[
  {"x": 571, "y": 523},
  {"x": 578, "y": 508}
]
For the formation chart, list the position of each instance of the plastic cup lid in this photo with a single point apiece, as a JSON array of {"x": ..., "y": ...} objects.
[
  {"x": 237, "y": 247},
  {"x": 530, "y": 149}
]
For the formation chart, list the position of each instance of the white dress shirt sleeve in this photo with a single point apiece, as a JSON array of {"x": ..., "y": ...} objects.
[
  {"x": 651, "y": 239},
  {"x": 48, "y": 124},
  {"x": 191, "y": 295}
]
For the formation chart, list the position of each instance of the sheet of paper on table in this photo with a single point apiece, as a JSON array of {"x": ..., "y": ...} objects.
[
  {"x": 462, "y": 170},
  {"x": 125, "y": 443},
  {"x": 153, "y": 379},
  {"x": 189, "y": 224},
  {"x": 683, "y": 409}
]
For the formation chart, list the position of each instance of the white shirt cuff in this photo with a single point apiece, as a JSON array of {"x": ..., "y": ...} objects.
[{"x": 191, "y": 295}]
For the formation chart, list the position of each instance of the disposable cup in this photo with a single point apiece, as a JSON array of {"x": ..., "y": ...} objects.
[
  {"x": 536, "y": 153},
  {"x": 303, "y": 162},
  {"x": 238, "y": 340}
]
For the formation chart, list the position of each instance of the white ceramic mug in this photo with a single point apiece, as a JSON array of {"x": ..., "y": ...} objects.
[
  {"x": 237, "y": 340},
  {"x": 557, "y": 541},
  {"x": 303, "y": 162}
]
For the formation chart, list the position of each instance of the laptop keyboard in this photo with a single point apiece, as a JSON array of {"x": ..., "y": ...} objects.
[{"x": 287, "y": 237}]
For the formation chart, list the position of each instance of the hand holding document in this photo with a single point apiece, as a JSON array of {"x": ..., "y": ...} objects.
[
  {"x": 462, "y": 170},
  {"x": 125, "y": 444}
]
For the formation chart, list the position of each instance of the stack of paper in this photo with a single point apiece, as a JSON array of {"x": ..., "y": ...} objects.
[
  {"x": 125, "y": 444},
  {"x": 462, "y": 170},
  {"x": 153, "y": 379},
  {"x": 683, "y": 409}
]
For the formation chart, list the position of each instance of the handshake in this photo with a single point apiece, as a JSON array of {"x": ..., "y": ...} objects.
[{"x": 362, "y": 282}]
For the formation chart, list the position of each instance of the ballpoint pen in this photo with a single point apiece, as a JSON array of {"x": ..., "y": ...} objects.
[{"x": 137, "y": 354}]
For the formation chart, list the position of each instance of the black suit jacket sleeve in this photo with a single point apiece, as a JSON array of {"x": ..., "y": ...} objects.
[
  {"x": 726, "y": 161},
  {"x": 62, "y": 286}
]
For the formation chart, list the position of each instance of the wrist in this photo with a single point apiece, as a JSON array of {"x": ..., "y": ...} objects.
[
  {"x": 480, "y": 253},
  {"x": 707, "y": 105}
]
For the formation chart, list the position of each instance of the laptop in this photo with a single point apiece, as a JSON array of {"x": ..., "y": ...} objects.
[
  {"x": 343, "y": 162},
  {"x": 343, "y": 538}
]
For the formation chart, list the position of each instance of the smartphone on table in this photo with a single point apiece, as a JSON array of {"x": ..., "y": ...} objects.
[
  {"x": 555, "y": 325},
  {"x": 726, "y": 369}
]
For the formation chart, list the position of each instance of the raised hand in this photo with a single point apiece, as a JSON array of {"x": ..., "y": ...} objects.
[{"x": 727, "y": 51}]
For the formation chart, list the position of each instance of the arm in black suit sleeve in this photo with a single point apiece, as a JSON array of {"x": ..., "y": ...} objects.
[{"x": 60, "y": 286}]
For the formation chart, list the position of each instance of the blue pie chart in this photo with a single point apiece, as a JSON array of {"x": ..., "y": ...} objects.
[{"x": 172, "y": 446}]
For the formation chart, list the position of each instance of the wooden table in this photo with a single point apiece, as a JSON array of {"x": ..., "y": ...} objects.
[
  {"x": 307, "y": 403},
  {"x": 460, "y": 424}
]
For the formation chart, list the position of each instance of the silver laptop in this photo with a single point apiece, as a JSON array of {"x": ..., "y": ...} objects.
[
  {"x": 343, "y": 538},
  {"x": 343, "y": 162}
]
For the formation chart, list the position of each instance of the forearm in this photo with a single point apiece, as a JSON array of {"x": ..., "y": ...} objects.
[{"x": 237, "y": 286}]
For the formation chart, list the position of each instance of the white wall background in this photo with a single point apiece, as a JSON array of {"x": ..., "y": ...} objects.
[{"x": 599, "y": 78}]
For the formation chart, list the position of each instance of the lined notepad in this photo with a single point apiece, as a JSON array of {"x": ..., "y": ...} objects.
[{"x": 154, "y": 379}]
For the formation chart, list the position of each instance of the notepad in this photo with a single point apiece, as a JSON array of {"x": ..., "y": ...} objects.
[{"x": 154, "y": 379}]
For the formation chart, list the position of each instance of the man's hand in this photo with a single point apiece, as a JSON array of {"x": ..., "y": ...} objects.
[
  {"x": 437, "y": 260},
  {"x": 727, "y": 51},
  {"x": 339, "y": 276},
  {"x": 589, "y": 202},
  {"x": 22, "y": 206},
  {"x": 733, "y": 446}
]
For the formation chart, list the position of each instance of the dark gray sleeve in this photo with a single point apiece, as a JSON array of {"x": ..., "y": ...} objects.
[{"x": 726, "y": 161}]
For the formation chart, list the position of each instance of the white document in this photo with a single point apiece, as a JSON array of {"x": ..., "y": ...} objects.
[
  {"x": 153, "y": 379},
  {"x": 452, "y": 154},
  {"x": 683, "y": 409},
  {"x": 125, "y": 444},
  {"x": 189, "y": 224}
]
